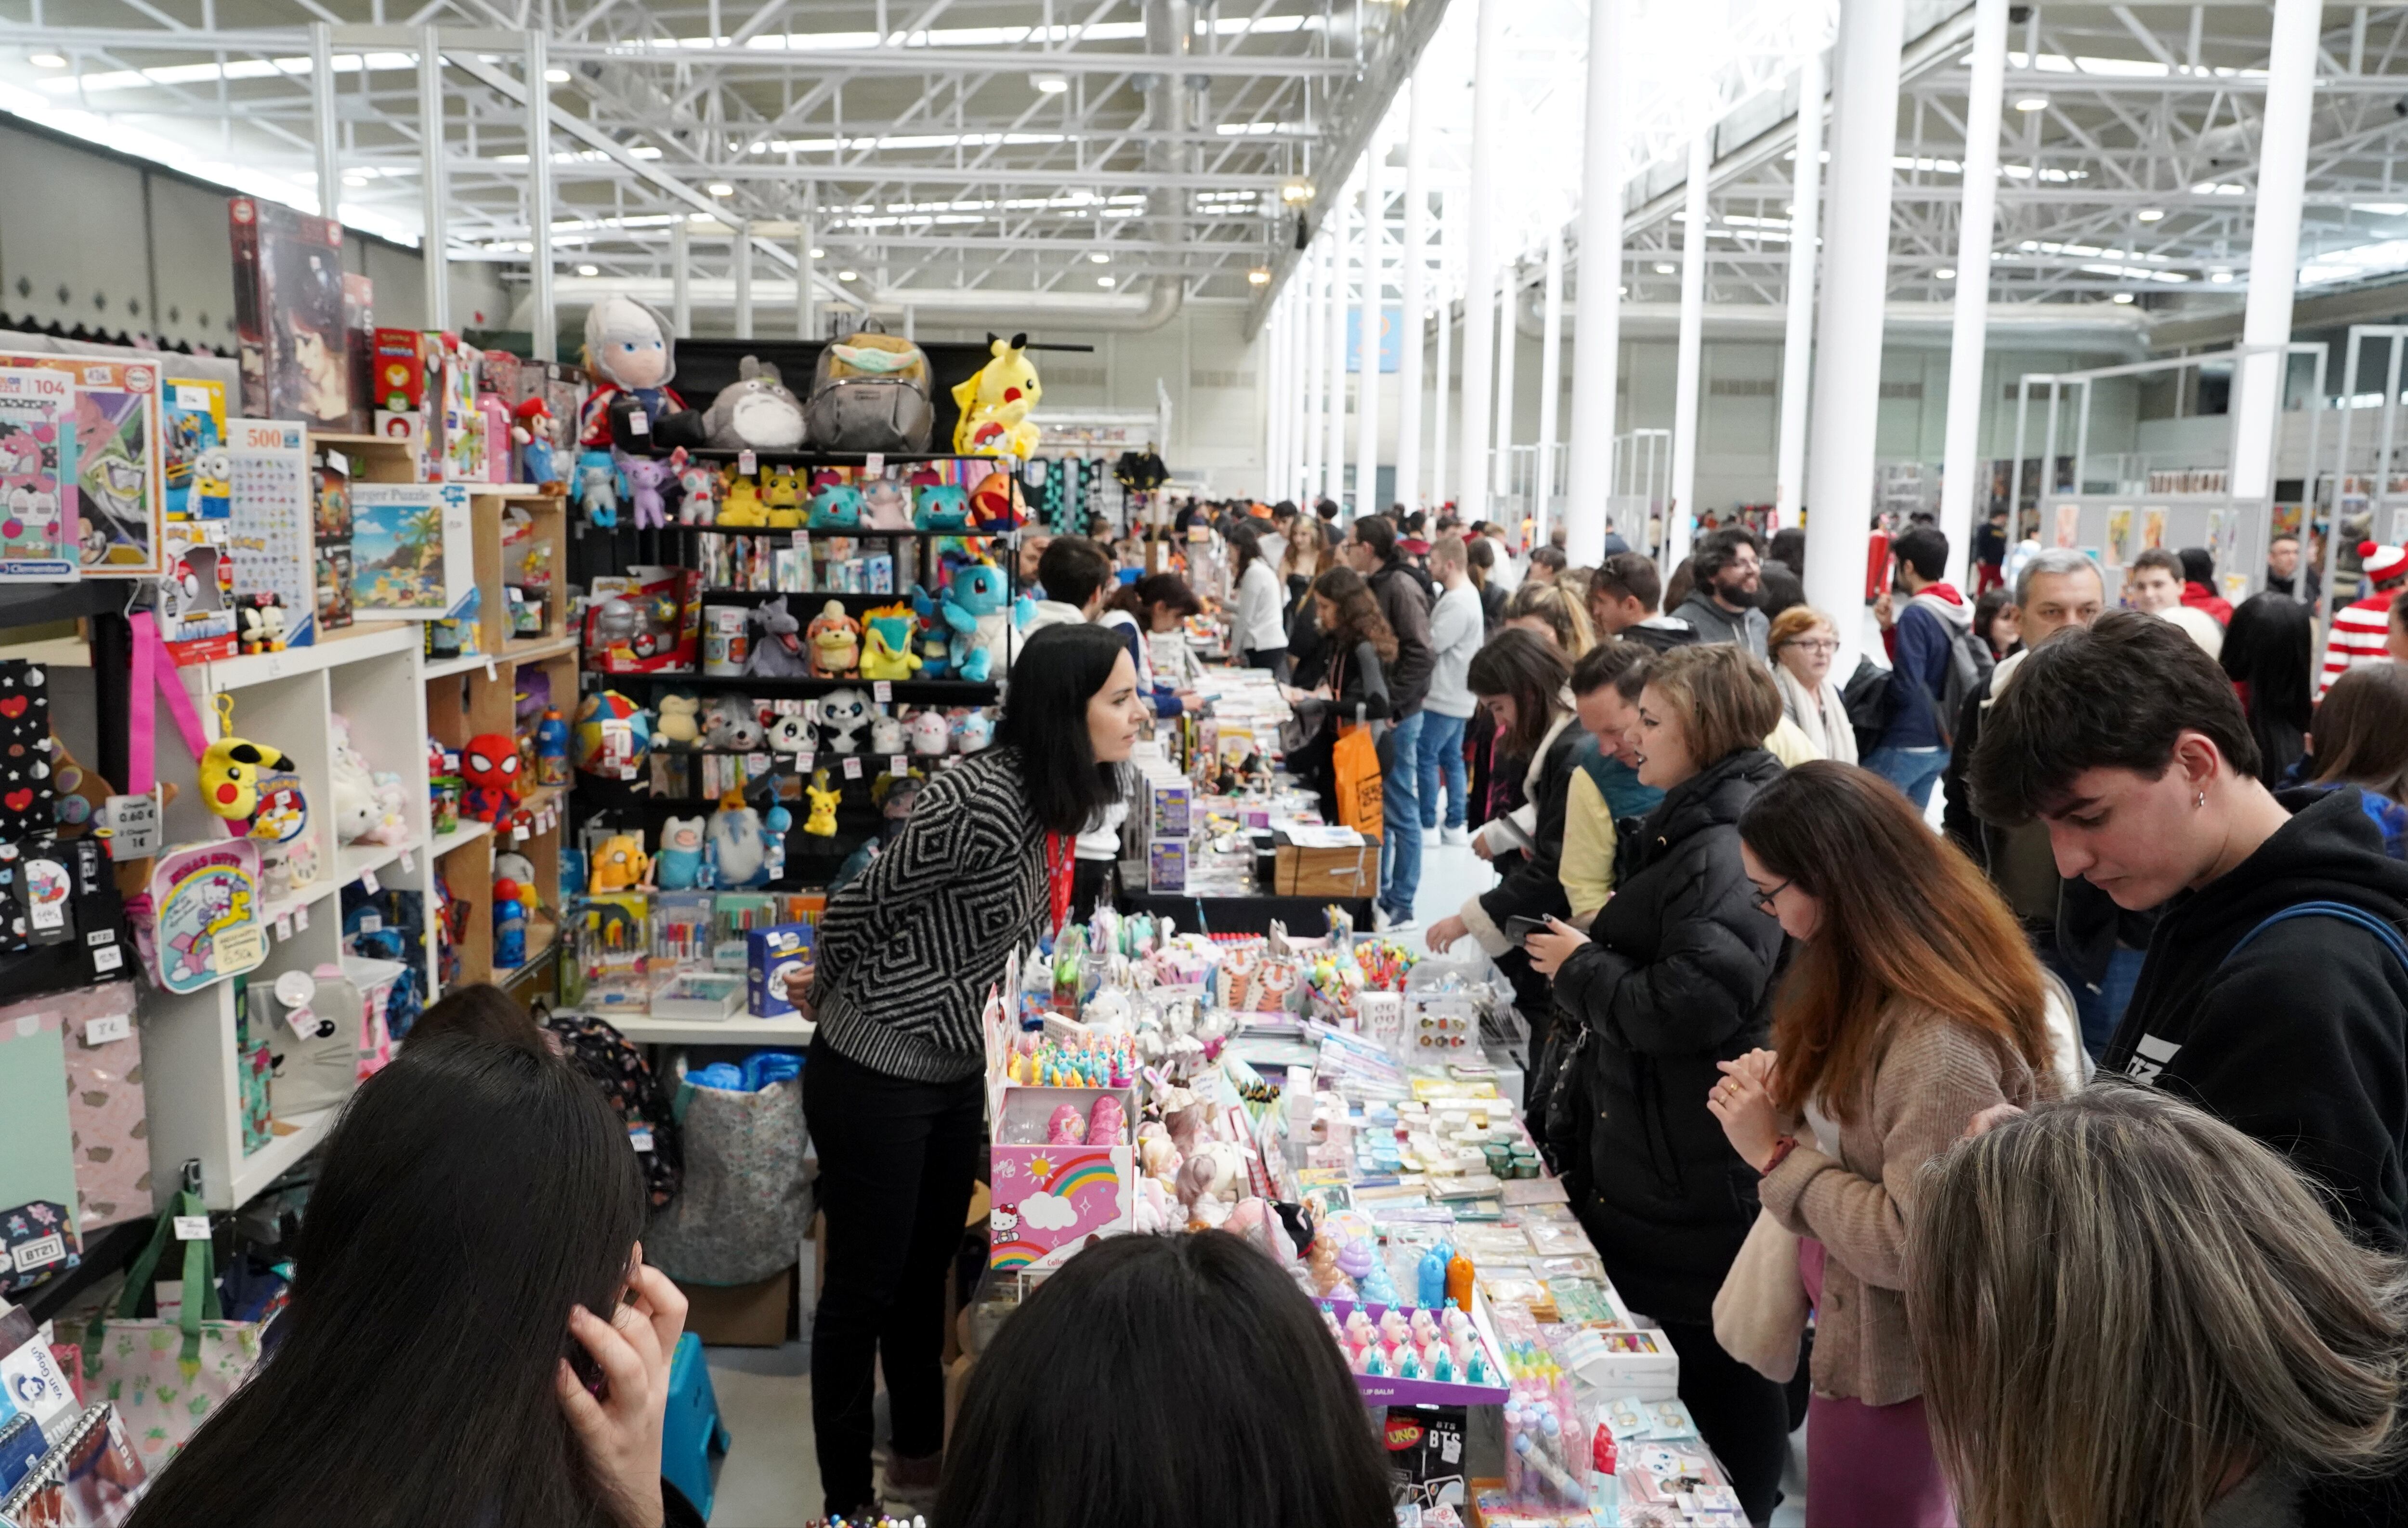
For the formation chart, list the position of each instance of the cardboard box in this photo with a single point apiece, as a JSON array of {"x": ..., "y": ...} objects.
[
  {"x": 1301, "y": 871},
  {"x": 741, "y": 1315},
  {"x": 770, "y": 955},
  {"x": 290, "y": 317}
]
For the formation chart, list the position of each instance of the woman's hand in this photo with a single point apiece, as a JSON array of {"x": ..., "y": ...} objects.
[
  {"x": 1749, "y": 1120},
  {"x": 1989, "y": 1120},
  {"x": 1443, "y": 933},
  {"x": 798, "y": 987},
  {"x": 1480, "y": 846},
  {"x": 619, "y": 1431},
  {"x": 1548, "y": 951},
  {"x": 1755, "y": 1066}
]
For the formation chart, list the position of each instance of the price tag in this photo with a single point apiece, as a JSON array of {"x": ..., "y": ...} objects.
[
  {"x": 874, "y": 464},
  {"x": 106, "y": 958},
  {"x": 747, "y": 463},
  {"x": 853, "y": 767},
  {"x": 239, "y": 949},
  {"x": 133, "y": 825},
  {"x": 519, "y": 833},
  {"x": 898, "y": 764},
  {"x": 368, "y": 883},
  {"x": 304, "y": 1022},
  {"x": 805, "y": 762},
  {"x": 300, "y": 917},
  {"x": 638, "y": 422},
  {"x": 640, "y": 1137},
  {"x": 408, "y": 861},
  {"x": 491, "y": 674},
  {"x": 108, "y": 1027},
  {"x": 191, "y": 1228},
  {"x": 339, "y": 462},
  {"x": 803, "y": 542},
  {"x": 881, "y": 690},
  {"x": 284, "y": 928},
  {"x": 28, "y": 1026}
]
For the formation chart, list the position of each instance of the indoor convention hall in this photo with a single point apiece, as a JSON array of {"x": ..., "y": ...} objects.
[{"x": 1203, "y": 764}]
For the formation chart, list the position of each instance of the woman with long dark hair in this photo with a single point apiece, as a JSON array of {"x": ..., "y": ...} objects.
[
  {"x": 2269, "y": 652},
  {"x": 1520, "y": 679},
  {"x": 894, "y": 1091},
  {"x": 1361, "y": 646},
  {"x": 1208, "y": 1393},
  {"x": 1257, "y": 630},
  {"x": 1311, "y": 550},
  {"x": 1913, "y": 1004},
  {"x": 471, "y": 1236},
  {"x": 1672, "y": 979}
]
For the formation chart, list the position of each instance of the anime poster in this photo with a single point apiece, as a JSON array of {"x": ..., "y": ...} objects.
[
  {"x": 2153, "y": 527},
  {"x": 2069, "y": 524},
  {"x": 120, "y": 489},
  {"x": 37, "y": 511},
  {"x": 2119, "y": 535}
]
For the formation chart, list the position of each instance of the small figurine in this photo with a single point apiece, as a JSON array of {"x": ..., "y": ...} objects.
[
  {"x": 835, "y": 642},
  {"x": 538, "y": 436},
  {"x": 822, "y": 820},
  {"x": 262, "y": 623},
  {"x": 597, "y": 489},
  {"x": 509, "y": 927},
  {"x": 490, "y": 764},
  {"x": 552, "y": 749},
  {"x": 680, "y": 863},
  {"x": 645, "y": 477}
]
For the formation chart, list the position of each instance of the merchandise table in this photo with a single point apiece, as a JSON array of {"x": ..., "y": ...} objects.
[{"x": 1303, "y": 916}]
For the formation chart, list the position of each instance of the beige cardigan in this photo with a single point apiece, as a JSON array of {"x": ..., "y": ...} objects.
[{"x": 1934, "y": 1075}]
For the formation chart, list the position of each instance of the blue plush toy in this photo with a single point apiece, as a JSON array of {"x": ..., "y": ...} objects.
[
  {"x": 679, "y": 865},
  {"x": 834, "y": 506},
  {"x": 976, "y": 607},
  {"x": 935, "y": 649},
  {"x": 941, "y": 506},
  {"x": 597, "y": 489}
]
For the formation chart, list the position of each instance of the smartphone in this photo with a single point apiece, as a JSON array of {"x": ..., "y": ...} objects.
[{"x": 1518, "y": 931}]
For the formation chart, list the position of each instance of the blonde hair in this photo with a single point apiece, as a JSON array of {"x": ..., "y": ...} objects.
[
  {"x": 1448, "y": 551},
  {"x": 1725, "y": 697},
  {"x": 1562, "y": 614},
  {"x": 1794, "y": 622},
  {"x": 2117, "y": 1299}
]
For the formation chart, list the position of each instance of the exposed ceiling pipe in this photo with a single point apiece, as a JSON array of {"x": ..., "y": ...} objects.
[
  {"x": 2026, "y": 321},
  {"x": 1103, "y": 312}
]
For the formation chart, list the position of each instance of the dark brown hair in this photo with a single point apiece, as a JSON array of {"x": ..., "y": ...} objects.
[
  {"x": 1528, "y": 668},
  {"x": 1359, "y": 619},
  {"x": 1619, "y": 664},
  {"x": 2116, "y": 695},
  {"x": 1629, "y": 573},
  {"x": 1164, "y": 589},
  {"x": 1905, "y": 916},
  {"x": 2361, "y": 731}
]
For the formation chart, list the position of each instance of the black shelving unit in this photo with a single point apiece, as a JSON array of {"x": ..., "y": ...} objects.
[
  {"x": 857, "y": 533},
  {"x": 935, "y": 692}
]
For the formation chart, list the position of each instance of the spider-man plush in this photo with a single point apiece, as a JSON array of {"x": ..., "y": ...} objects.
[{"x": 490, "y": 767}]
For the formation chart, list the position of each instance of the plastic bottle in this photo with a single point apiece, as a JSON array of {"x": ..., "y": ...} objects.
[{"x": 551, "y": 750}]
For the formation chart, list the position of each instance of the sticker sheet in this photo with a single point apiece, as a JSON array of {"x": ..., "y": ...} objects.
[{"x": 272, "y": 521}]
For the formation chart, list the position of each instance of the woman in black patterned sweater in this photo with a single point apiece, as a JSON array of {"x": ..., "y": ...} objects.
[{"x": 894, "y": 1088}]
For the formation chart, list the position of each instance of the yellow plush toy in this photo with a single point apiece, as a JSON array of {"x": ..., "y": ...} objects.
[
  {"x": 778, "y": 491},
  {"x": 888, "y": 635},
  {"x": 742, "y": 505},
  {"x": 995, "y": 403},
  {"x": 620, "y": 863},
  {"x": 822, "y": 820}
]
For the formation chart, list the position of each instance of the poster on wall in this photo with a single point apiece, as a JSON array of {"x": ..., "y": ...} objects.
[
  {"x": 2153, "y": 527},
  {"x": 119, "y": 478},
  {"x": 2069, "y": 524},
  {"x": 272, "y": 515},
  {"x": 2119, "y": 535},
  {"x": 37, "y": 506},
  {"x": 410, "y": 554}
]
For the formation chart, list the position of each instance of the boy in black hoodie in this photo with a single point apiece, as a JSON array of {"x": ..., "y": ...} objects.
[{"x": 2275, "y": 990}]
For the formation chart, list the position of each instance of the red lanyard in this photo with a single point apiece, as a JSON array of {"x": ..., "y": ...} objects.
[{"x": 1061, "y": 858}]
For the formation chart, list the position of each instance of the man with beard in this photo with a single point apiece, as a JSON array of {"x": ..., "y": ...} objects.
[
  {"x": 1913, "y": 752},
  {"x": 1729, "y": 568}
]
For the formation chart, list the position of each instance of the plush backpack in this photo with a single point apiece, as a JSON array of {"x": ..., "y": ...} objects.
[
  {"x": 870, "y": 392},
  {"x": 618, "y": 1067}
]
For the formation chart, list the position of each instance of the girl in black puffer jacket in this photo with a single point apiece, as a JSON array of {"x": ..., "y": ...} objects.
[{"x": 1674, "y": 976}]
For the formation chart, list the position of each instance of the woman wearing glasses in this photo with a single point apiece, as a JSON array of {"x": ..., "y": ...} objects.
[
  {"x": 1803, "y": 641},
  {"x": 1672, "y": 977},
  {"x": 1913, "y": 1004}
]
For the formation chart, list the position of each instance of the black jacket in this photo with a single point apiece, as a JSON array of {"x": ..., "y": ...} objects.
[
  {"x": 1529, "y": 886},
  {"x": 1676, "y": 979},
  {"x": 1663, "y": 639},
  {"x": 2301, "y": 1038},
  {"x": 1404, "y": 599}
]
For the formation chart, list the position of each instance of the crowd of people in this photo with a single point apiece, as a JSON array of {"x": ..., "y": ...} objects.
[{"x": 2080, "y": 1120}]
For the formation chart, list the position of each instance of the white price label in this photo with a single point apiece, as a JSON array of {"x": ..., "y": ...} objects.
[
  {"x": 805, "y": 762},
  {"x": 408, "y": 861},
  {"x": 368, "y": 883},
  {"x": 747, "y": 463},
  {"x": 191, "y": 1228},
  {"x": 519, "y": 833},
  {"x": 638, "y": 422},
  {"x": 803, "y": 542},
  {"x": 898, "y": 764},
  {"x": 492, "y": 673},
  {"x": 853, "y": 767},
  {"x": 304, "y": 1022},
  {"x": 639, "y": 1137},
  {"x": 300, "y": 917},
  {"x": 371, "y": 923},
  {"x": 106, "y": 957},
  {"x": 191, "y": 397},
  {"x": 881, "y": 690},
  {"x": 28, "y": 1026},
  {"x": 108, "y": 1027},
  {"x": 339, "y": 462},
  {"x": 874, "y": 464},
  {"x": 133, "y": 825},
  {"x": 284, "y": 927}
]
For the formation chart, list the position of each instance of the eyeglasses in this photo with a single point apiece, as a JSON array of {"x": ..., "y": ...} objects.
[
  {"x": 1814, "y": 645},
  {"x": 1764, "y": 899}
]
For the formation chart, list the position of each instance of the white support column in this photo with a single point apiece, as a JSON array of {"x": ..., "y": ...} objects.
[
  {"x": 807, "y": 323},
  {"x": 1550, "y": 378},
  {"x": 546, "y": 341},
  {"x": 741, "y": 256},
  {"x": 1284, "y": 395},
  {"x": 682, "y": 276},
  {"x": 1797, "y": 343},
  {"x": 1507, "y": 299},
  {"x": 1366, "y": 339},
  {"x": 1489, "y": 87},
  {"x": 1688, "y": 378},
  {"x": 1442, "y": 395},
  {"x": 1413, "y": 277},
  {"x": 323, "y": 126},
  {"x": 1312, "y": 361},
  {"x": 1848, "y": 329},
  {"x": 2274, "y": 242},
  {"x": 1960, "y": 457},
  {"x": 1333, "y": 447},
  {"x": 434, "y": 244},
  {"x": 1596, "y": 326}
]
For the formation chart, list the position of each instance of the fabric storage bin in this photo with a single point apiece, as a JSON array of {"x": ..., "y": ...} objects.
[{"x": 738, "y": 1217}]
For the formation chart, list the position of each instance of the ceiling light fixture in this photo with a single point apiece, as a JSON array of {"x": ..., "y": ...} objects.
[
  {"x": 2150, "y": 214},
  {"x": 2121, "y": 296},
  {"x": 2032, "y": 103},
  {"x": 720, "y": 188},
  {"x": 557, "y": 77},
  {"x": 819, "y": 255},
  {"x": 47, "y": 60},
  {"x": 1295, "y": 191},
  {"x": 848, "y": 275},
  {"x": 354, "y": 177},
  {"x": 1099, "y": 258},
  {"x": 1259, "y": 276},
  {"x": 588, "y": 270},
  {"x": 1946, "y": 273},
  {"x": 1049, "y": 82},
  {"x": 1665, "y": 267},
  {"x": 1103, "y": 280}
]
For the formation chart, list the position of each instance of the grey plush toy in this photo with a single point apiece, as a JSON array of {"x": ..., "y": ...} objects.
[
  {"x": 778, "y": 651},
  {"x": 755, "y": 411}
]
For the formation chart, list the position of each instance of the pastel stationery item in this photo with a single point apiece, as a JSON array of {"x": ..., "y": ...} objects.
[{"x": 37, "y": 501}]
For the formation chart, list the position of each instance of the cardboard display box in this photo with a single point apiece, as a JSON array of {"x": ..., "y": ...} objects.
[
  {"x": 757, "y": 1315},
  {"x": 1312, "y": 872}
]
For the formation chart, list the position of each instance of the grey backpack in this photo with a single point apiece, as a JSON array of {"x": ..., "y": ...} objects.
[{"x": 870, "y": 392}]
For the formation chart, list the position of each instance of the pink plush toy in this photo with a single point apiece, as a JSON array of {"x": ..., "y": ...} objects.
[
  {"x": 1107, "y": 1123},
  {"x": 1068, "y": 1126}
]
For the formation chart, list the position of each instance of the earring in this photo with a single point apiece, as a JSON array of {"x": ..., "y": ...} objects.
[{"x": 2201, "y": 800}]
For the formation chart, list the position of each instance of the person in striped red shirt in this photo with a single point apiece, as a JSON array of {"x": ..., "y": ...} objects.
[{"x": 2360, "y": 631}]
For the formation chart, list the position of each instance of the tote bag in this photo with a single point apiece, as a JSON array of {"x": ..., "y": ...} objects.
[
  {"x": 1361, "y": 790},
  {"x": 1760, "y": 1310},
  {"x": 164, "y": 1377},
  {"x": 738, "y": 1217}
]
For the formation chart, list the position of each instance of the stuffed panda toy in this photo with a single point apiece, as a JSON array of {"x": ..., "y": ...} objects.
[{"x": 844, "y": 717}]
